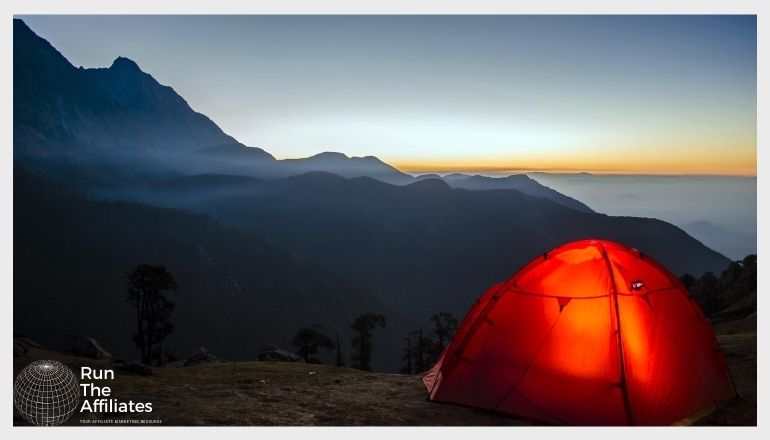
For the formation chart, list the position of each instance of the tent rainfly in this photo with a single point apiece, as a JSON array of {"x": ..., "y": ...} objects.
[{"x": 590, "y": 333}]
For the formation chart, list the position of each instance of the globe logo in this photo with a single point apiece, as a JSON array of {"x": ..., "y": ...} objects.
[{"x": 46, "y": 393}]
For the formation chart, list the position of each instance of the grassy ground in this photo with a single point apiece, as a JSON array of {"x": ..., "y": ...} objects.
[{"x": 266, "y": 393}]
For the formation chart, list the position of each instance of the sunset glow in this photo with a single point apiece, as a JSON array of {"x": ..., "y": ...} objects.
[
  {"x": 601, "y": 94},
  {"x": 718, "y": 164}
]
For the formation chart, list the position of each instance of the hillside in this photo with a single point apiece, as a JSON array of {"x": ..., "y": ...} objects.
[
  {"x": 291, "y": 394},
  {"x": 420, "y": 248},
  {"x": 237, "y": 292}
]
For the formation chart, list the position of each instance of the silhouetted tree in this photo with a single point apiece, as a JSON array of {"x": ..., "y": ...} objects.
[
  {"x": 445, "y": 326},
  {"x": 364, "y": 327},
  {"x": 689, "y": 282},
  {"x": 736, "y": 289},
  {"x": 418, "y": 353},
  {"x": 146, "y": 287},
  {"x": 308, "y": 340},
  {"x": 708, "y": 284},
  {"x": 340, "y": 360},
  {"x": 407, "y": 356},
  {"x": 749, "y": 275}
]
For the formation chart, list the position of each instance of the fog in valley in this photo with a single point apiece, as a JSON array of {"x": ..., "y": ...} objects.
[{"x": 720, "y": 211}]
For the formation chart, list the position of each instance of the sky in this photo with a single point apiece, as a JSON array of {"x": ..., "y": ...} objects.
[{"x": 602, "y": 94}]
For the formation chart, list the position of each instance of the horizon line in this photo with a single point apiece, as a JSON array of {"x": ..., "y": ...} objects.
[
  {"x": 417, "y": 169},
  {"x": 424, "y": 167},
  {"x": 504, "y": 171}
]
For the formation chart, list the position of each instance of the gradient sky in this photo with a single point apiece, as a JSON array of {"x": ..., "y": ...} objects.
[{"x": 636, "y": 94}]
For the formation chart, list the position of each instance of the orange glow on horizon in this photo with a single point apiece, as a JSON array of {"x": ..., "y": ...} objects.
[
  {"x": 734, "y": 157},
  {"x": 726, "y": 166}
]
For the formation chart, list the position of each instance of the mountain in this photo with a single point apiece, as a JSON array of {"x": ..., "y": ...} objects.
[
  {"x": 729, "y": 242},
  {"x": 420, "y": 248},
  {"x": 519, "y": 182},
  {"x": 239, "y": 152},
  {"x": 232, "y": 158},
  {"x": 240, "y": 159},
  {"x": 165, "y": 120},
  {"x": 237, "y": 292},
  {"x": 72, "y": 123},
  {"x": 110, "y": 127},
  {"x": 102, "y": 112},
  {"x": 342, "y": 165},
  {"x": 427, "y": 176}
]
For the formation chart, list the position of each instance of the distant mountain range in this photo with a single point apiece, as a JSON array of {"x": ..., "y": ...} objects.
[
  {"x": 730, "y": 242},
  {"x": 411, "y": 244},
  {"x": 260, "y": 246},
  {"x": 519, "y": 182}
]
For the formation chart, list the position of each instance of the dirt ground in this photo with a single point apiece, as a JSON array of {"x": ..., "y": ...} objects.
[{"x": 267, "y": 393}]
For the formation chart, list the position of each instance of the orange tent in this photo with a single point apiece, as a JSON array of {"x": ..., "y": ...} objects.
[{"x": 591, "y": 333}]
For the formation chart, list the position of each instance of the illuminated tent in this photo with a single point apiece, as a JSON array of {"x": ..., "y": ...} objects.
[{"x": 545, "y": 344}]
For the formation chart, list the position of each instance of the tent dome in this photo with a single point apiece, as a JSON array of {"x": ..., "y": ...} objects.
[{"x": 590, "y": 333}]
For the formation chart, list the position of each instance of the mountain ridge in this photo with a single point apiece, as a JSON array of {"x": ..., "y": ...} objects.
[
  {"x": 406, "y": 243},
  {"x": 121, "y": 114}
]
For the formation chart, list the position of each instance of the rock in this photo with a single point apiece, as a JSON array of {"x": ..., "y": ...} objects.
[
  {"x": 27, "y": 343},
  {"x": 200, "y": 356},
  {"x": 19, "y": 349},
  {"x": 271, "y": 353},
  {"x": 134, "y": 368},
  {"x": 87, "y": 346}
]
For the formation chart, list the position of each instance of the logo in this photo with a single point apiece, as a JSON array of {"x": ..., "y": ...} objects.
[{"x": 46, "y": 393}]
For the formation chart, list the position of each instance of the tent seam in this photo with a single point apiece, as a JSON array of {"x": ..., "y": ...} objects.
[
  {"x": 515, "y": 384},
  {"x": 543, "y": 295},
  {"x": 621, "y": 352}
]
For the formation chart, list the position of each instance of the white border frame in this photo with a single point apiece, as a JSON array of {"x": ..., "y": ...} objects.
[{"x": 10, "y": 8}]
